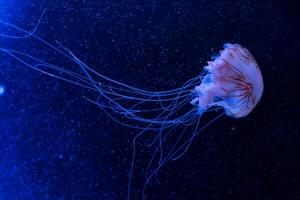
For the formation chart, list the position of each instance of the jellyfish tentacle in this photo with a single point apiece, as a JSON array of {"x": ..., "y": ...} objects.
[
  {"x": 188, "y": 142},
  {"x": 173, "y": 153},
  {"x": 73, "y": 58},
  {"x": 26, "y": 33},
  {"x": 133, "y": 157}
]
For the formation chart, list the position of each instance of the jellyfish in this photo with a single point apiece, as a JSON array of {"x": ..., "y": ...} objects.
[{"x": 230, "y": 84}]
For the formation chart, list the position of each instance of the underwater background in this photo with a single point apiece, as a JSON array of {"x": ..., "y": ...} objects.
[{"x": 56, "y": 145}]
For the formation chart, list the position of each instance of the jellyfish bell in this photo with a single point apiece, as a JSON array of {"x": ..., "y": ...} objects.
[{"x": 233, "y": 82}]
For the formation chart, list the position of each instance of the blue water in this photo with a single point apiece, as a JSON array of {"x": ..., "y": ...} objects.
[{"x": 56, "y": 145}]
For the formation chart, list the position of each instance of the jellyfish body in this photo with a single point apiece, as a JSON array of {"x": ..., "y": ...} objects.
[{"x": 232, "y": 81}]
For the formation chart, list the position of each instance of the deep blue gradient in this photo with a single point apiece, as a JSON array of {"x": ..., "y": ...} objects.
[{"x": 56, "y": 145}]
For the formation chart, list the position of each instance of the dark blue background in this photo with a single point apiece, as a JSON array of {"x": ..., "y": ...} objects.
[{"x": 56, "y": 145}]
